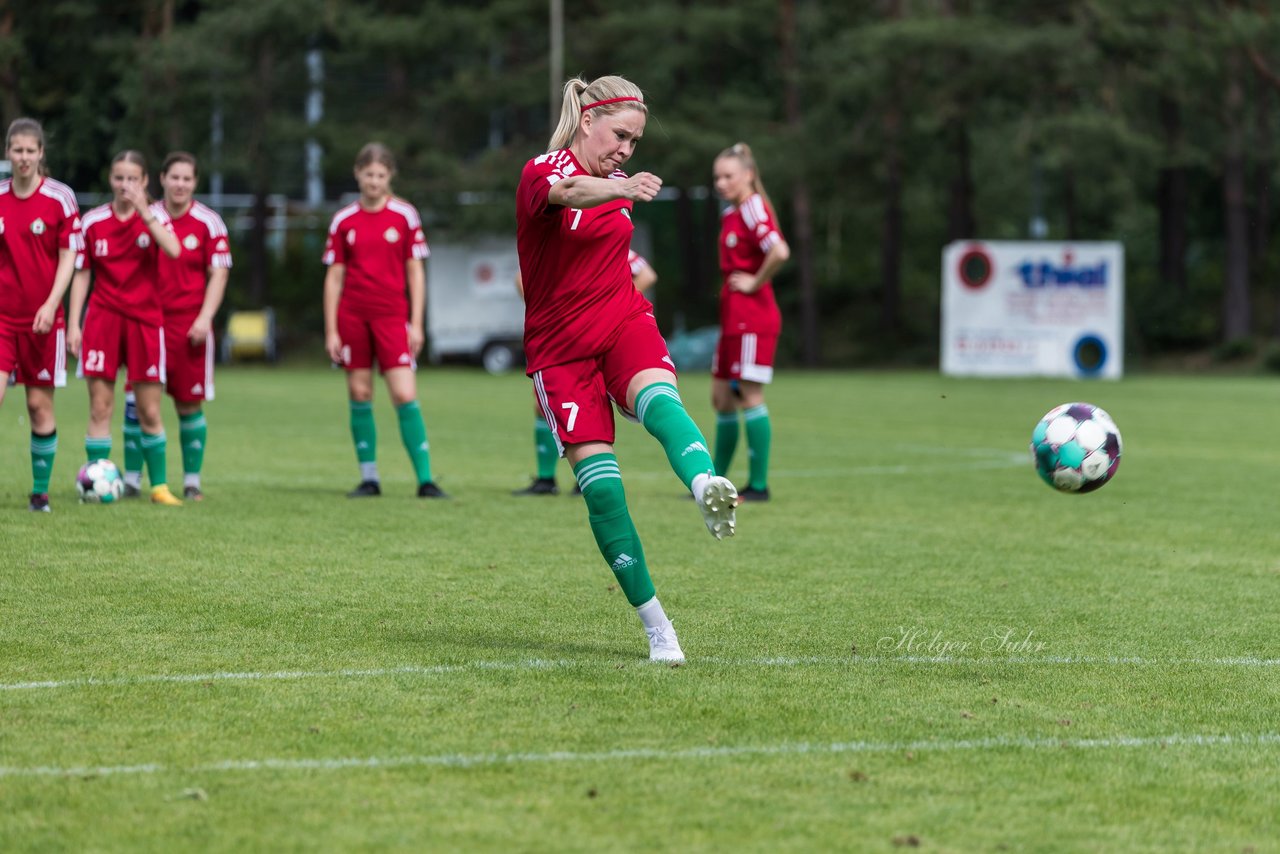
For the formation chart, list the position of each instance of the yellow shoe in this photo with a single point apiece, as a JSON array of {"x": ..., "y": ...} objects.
[{"x": 161, "y": 495}]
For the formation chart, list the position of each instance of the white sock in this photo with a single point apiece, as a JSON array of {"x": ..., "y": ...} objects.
[
  {"x": 651, "y": 614},
  {"x": 699, "y": 485},
  {"x": 133, "y": 478},
  {"x": 189, "y": 479},
  {"x": 369, "y": 471}
]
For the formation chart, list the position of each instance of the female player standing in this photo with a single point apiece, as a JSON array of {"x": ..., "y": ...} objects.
[
  {"x": 375, "y": 251},
  {"x": 123, "y": 326},
  {"x": 590, "y": 337},
  {"x": 39, "y": 242},
  {"x": 191, "y": 290},
  {"x": 751, "y": 251}
]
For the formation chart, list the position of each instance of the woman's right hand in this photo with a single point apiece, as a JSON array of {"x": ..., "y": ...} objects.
[{"x": 333, "y": 346}]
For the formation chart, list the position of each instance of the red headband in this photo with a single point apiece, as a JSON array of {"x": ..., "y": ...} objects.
[{"x": 609, "y": 101}]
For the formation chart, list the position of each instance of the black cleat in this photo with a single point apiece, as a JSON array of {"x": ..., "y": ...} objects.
[
  {"x": 430, "y": 490},
  {"x": 540, "y": 486},
  {"x": 366, "y": 489},
  {"x": 192, "y": 493},
  {"x": 131, "y": 492},
  {"x": 752, "y": 494},
  {"x": 39, "y": 503}
]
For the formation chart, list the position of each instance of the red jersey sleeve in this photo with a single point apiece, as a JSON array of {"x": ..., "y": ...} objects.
[
  {"x": 335, "y": 249},
  {"x": 540, "y": 175},
  {"x": 217, "y": 249},
  {"x": 756, "y": 216}
]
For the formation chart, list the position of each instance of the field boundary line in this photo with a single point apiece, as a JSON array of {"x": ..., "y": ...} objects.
[
  {"x": 556, "y": 664},
  {"x": 474, "y": 760}
]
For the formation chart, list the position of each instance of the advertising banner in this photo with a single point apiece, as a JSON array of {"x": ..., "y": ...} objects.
[{"x": 1012, "y": 308}]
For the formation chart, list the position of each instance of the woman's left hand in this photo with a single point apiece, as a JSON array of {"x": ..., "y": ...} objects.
[{"x": 743, "y": 283}]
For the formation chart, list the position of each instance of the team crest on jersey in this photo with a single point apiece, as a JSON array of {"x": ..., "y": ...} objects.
[
  {"x": 144, "y": 240},
  {"x": 731, "y": 240},
  {"x": 1, "y": 225},
  {"x": 392, "y": 235},
  {"x": 351, "y": 237},
  {"x": 191, "y": 242},
  {"x": 37, "y": 226}
]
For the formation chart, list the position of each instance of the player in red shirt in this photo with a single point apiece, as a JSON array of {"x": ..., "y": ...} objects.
[
  {"x": 374, "y": 253},
  {"x": 590, "y": 338},
  {"x": 39, "y": 241},
  {"x": 643, "y": 276},
  {"x": 751, "y": 251},
  {"x": 123, "y": 325},
  {"x": 191, "y": 290}
]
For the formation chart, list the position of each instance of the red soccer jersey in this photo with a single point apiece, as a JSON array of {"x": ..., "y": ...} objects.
[
  {"x": 203, "y": 237},
  {"x": 375, "y": 246},
  {"x": 124, "y": 260},
  {"x": 577, "y": 282},
  {"x": 747, "y": 233},
  {"x": 32, "y": 233}
]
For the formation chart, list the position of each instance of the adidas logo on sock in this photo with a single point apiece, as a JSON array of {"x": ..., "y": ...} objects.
[
  {"x": 696, "y": 446},
  {"x": 623, "y": 561}
]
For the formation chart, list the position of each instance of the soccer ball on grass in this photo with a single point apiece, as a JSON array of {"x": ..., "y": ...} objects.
[
  {"x": 99, "y": 482},
  {"x": 1076, "y": 447}
]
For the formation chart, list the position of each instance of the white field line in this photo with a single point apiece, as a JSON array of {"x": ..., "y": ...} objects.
[
  {"x": 464, "y": 760},
  {"x": 852, "y": 662}
]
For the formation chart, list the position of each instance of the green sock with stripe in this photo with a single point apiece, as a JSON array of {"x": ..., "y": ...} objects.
[
  {"x": 364, "y": 434},
  {"x": 660, "y": 410},
  {"x": 544, "y": 443},
  {"x": 726, "y": 440},
  {"x": 132, "y": 442},
  {"x": 615, "y": 533},
  {"x": 413, "y": 432},
  {"x": 97, "y": 447},
  {"x": 43, "y": 449},
  {"x": 155, "y": 447},
  {"x": 193, "y": 434},
  {"x": 759, "y": 437}
]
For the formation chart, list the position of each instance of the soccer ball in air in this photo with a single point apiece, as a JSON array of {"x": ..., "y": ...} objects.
[
  {"x": 99, "y": 482},
  {"x": 1076, "y": 447}
]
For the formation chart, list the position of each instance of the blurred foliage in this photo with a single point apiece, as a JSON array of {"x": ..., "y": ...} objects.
[{"x": 1078, "y": 112}]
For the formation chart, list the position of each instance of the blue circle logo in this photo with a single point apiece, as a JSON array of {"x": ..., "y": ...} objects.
[{"x": 1090, "y": 354}]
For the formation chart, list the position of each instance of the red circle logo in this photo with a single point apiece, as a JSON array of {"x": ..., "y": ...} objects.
[{"x": 974, "y": 268}]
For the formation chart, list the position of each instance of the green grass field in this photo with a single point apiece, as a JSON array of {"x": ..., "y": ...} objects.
[{"x": 916, "y": 643}]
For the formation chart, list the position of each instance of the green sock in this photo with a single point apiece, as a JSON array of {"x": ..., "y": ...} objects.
[
  {"x": 97, "y": 447},
  {"x": 545, "y": 445},
  {"x": 662, "y": 413},
  {"x": 759, "y": 435},
  {"x": 132, "y": 437},
  {"x": 192, "y": 434},
  {"x": 43, "y": 449},
  {"x": 615, "y": 534},
  {"x": 154, "y": 448},
  {"x": 726, "y": 440},
  {"x": 413, "y": 432},
  {"x": 364, "y": 433}
]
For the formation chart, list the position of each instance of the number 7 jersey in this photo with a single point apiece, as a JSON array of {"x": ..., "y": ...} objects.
[{"x": 577, "y": 280}]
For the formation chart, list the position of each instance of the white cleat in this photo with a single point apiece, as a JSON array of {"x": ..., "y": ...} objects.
[
  {"x": 719, "y": 504},
  {"x": 663, "y": 645}
]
